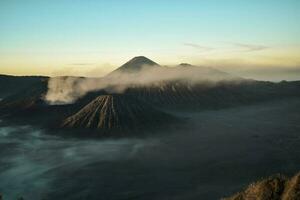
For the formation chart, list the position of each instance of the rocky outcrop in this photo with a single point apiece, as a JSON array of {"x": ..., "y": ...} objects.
[{"x": 277, "y": 187}]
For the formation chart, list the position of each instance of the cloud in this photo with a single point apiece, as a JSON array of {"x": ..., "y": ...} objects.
[
  {"x": 199, "y": 47},
  {"x": 84, "y": 69},
  {"x": 82, "y": 64},
  {"x": 249, "y": 47},
  {"x": 258, "y": 69},
  {"x": 64, "y": 90},
  {"x": 242, "y": 47}
]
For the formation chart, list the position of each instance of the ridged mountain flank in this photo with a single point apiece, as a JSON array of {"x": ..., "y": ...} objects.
[{"x": 117, "y": 112}]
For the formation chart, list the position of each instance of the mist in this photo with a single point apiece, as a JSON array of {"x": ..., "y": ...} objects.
[
  {"x": 187, "y": 162},
  {"x": 31, "y": 159},
  {"x": 64, "y": 90}
]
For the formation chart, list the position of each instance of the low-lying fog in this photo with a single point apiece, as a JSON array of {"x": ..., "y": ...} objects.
[{"x": 216, "y": 154}]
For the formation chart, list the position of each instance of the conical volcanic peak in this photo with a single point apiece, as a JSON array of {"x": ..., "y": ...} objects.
[
  {"x": 116, "y": 112},
  {"x": 136, "y": 64}
]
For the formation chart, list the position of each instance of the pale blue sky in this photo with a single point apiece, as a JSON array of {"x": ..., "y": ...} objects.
[{"x": 45, "y": 30}]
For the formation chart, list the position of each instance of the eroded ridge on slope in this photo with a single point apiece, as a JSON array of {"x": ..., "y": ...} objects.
[{"x": 116, "y": 112}]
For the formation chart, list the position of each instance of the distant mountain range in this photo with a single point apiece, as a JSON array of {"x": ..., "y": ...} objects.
[{"x": 150, "y": 94}]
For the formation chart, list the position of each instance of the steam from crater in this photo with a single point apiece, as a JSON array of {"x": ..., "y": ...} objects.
[{"x": 64, "y": 90}]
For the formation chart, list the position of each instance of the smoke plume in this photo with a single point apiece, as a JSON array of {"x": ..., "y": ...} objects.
[{"x": 63, "y": 90}]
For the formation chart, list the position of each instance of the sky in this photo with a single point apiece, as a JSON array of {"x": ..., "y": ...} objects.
[{"x": 255, "y": 38}]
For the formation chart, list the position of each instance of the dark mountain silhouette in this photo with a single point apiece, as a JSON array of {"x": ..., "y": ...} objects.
[
  {"x": 207, "y": 95},
  {"x": 26, "y": 96},
  {"x": 136, "y": 64},
  {"x": 10, "y": 85},
  {"x": 117, "y": 112},
  {"x": 276, "y": 187}
]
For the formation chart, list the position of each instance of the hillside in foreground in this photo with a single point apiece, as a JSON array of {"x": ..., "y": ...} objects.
[{"x": 277, "y": 187}]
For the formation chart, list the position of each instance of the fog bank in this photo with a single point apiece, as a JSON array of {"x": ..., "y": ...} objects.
[{"x": 195, "y": 161}]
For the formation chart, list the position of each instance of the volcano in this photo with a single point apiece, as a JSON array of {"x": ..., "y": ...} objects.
[
  {"x": 117, "y": 112},
  {"x": 136, "y": 64}
]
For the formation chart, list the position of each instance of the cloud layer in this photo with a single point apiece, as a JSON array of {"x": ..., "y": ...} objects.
[
  {"x": 63, "y": 90},
  {"x": 250, "y": 47}
]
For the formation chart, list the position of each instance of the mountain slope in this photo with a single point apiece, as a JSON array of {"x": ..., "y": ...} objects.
[
  {"x": 13, "y": 84},
  {"x": 273, "y": 188},
  {"x": 117, "y": 112},
  {"x": 27, "y": 96},
  {"x": 210, "y": 95}
]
